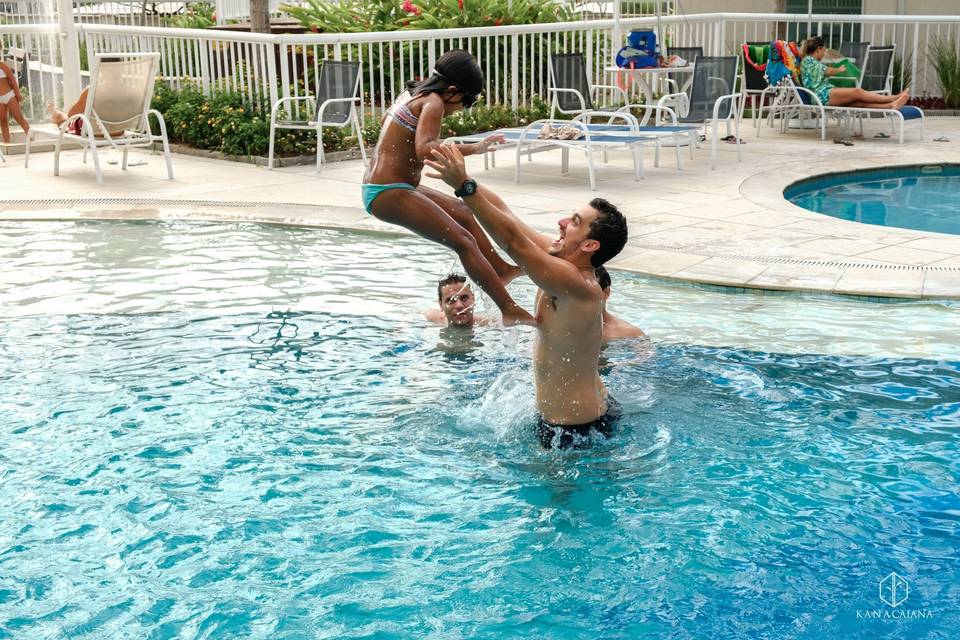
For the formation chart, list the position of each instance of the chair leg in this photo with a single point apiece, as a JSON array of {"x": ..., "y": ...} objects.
[
  {"x": 363, "y": 151},
  {"x": 736, "y": 128},
  {"x": 273, "y": 133},
  {"x": 96, "y": 164},
  {"x": 565, "y": 161},
  {"x": 676, "y": 150},
  {"x": 123, "y": 165},
  {"x": 26, "y": 152},
  {"x": 56, "y": 153},
  {"x": 656, "y": 154},
  {"x": 319, "y": 149},
  {"x": 593, "y": 177},
  {"x": 713, "y": 144}
]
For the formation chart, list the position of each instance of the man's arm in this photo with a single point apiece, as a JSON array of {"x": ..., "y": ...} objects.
[
  {"x": 532, "y": 234},
  {"x": 554, "y": 275}
]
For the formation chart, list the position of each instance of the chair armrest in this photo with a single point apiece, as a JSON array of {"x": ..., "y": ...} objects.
[
  {"x": 327, "y": 103},
  {"x": 681, "y": 99},
  {"x": 719, "y": 101},
  {"x": 276, "y": 105},
  {"x": 583, "y": 102},
  {"x": 656, "y": 108},
  {"x": 623, "y": 94},
  {"x": 676, "y": 85},
  {"x": 620, "y": 114},
  {"x": 815, "y": 97}
]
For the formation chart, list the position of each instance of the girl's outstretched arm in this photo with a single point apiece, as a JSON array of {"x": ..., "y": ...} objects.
[{"x": 428, "y": 132}]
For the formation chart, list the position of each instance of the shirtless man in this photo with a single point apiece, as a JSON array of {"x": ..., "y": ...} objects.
[
  {"x": 571, "y": 398},
  {"x": 614, "y": 328}
]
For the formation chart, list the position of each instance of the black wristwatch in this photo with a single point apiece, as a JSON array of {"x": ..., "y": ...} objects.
[{"x": 468, "y": 188}]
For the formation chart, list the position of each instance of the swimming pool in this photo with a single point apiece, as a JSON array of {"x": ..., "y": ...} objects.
[
  {"x": 921, "y": 197},
  {"x": 224, "y": 431}
]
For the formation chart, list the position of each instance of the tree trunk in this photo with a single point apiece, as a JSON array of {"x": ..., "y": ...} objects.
[{"x": 260, "y": 16}]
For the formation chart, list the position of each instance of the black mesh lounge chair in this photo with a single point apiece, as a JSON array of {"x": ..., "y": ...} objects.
[
  {"x": 857, "y": 51},
  {"x": 878, "y": 70},
  {"x": 712, "y": 97},
  {"x": 675, "y": 81},
  {"x": 338, "y": 90},
  {"x": 570, "y": 89}
]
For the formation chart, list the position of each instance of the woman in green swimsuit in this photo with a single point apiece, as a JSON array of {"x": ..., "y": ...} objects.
[
  {"x": 814, "y": 74},
  {"x": 391, "y": 187}
]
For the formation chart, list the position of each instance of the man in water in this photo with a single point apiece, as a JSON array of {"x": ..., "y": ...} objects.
[
  {"x": 456, "y": 303},
  {"x": 571, "y": 398},
  {"x": 614, "y": 328}
]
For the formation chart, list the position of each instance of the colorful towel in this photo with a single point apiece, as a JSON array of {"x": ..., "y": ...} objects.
[
  {"x": 846, "y": 78},
  {"x": 784, "y": 61}
]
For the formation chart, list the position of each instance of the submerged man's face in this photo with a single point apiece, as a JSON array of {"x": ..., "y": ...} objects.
[{"x": 457, "y": 304}]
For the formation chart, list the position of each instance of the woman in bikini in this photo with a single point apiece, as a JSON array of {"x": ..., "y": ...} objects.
[
  {"x": 814, "y": 75},
  {"x": 391, "y": 186},
  {"x": 10, "y": 99}
]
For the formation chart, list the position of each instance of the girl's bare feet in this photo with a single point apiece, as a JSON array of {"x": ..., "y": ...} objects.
[
  {"x": 510, "y": 274},
  {"x": 900, "y": 101},
  {"x": 56, "y": 116}
]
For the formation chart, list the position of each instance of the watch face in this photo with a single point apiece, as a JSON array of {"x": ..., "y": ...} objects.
[{"x": 469, "y": 187}]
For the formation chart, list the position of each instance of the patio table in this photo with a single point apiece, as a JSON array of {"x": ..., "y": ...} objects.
[{"x": 644, "y": 77}]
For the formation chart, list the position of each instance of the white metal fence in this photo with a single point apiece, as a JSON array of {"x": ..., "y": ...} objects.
[{"x": 514, "y": 58}]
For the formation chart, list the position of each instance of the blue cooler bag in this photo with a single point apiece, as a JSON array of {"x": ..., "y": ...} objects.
[{"x": 640, "y": 52}]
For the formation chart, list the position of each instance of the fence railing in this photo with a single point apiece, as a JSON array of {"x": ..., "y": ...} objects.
[{"x": 514, "y": 58}]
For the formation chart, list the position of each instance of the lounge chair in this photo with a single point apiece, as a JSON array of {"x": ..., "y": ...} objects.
[
  {"x": 796, "y": 101},
  {"x": 676, "y": 82},
  {"x": 858, "y": 52},
  {"x": 752, "y": 83},
  {"x": 877, "y": 70},
  {"x": 118, "y": 102},
  {"x": 714, "y": 84},
  {"x": 338, "y": 90},
  {"x": 624, "y": 133},
  {"x": 570, "y": 90}
]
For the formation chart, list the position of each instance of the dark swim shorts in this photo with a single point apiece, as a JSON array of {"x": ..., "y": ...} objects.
[{"x": 564, "y": 436}]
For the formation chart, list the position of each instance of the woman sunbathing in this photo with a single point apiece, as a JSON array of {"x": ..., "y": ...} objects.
[{"x": 814, "y": 74}]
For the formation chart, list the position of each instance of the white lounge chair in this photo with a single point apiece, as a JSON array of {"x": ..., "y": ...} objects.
[
  {"x": 792, "y": 100},
  {"x": 117, "y": 112}
]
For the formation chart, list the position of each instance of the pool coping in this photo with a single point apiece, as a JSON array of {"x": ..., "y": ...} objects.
[{"x": 731, "y": 228}]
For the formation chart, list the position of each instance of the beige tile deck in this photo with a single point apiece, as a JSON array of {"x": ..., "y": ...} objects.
[{"x": 731, "y": 226}]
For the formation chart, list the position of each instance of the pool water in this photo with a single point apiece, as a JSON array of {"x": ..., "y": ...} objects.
[
  {"x": 236, "y": 431},
  {"x": 925, "y": 198}
]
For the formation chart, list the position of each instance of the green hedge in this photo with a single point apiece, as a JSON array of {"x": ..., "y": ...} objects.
[{"x": 228, "y": 123}]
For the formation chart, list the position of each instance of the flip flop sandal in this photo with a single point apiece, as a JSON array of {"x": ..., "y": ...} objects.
[
  {"x": 882, "y": 135},
  {"x": 732, "y": 139},
  {"x": 846, "y": 143},
  {"x": 942, "y": 139}
]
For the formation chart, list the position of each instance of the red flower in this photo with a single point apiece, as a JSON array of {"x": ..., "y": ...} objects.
[
  {"x": 409, "y": 7},
  {"x": 315, "y": 29},
  {"x": 497, "y": 22},
  {"x": 460, "y": 4}
]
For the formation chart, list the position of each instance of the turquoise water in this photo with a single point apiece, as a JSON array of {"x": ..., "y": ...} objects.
[
  {"x": 233, "y": 431},
  {"x": 925, "y": 198}
]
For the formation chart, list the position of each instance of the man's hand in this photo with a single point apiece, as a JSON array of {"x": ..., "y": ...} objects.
[{"x": 448, "y": 164}]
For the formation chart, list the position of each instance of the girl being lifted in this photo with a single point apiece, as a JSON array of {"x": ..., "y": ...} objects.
[{"x": 391, "y": 186}]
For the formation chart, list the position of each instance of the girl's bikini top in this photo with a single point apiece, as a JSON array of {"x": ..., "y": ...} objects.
[{"x": 402, "y": 114}]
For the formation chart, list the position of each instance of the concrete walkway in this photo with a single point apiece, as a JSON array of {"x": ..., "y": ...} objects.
[{"x": 728, "y": 227}]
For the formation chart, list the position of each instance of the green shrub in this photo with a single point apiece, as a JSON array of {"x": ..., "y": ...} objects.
[
  {"x": 902, "y": 72},
  {"x": 946, "y": 62},
  {"x": 390, "y": 15},
  {"x": 227, "y": 122},
  {"x": 199, "y": 15}
]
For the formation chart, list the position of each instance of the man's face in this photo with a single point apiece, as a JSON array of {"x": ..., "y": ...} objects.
[
  {"x": 457, "y": 304},
  {"x": 573, "y": 232}
]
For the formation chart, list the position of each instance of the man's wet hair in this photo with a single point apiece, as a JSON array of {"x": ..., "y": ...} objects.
[
  {"x": 450, "y": 279},
  {"x": 609, "y": 228},
  {"x": 603, "y": 278}
]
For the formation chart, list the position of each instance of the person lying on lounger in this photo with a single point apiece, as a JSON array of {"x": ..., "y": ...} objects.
[{"x": 813, "y": 74}]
